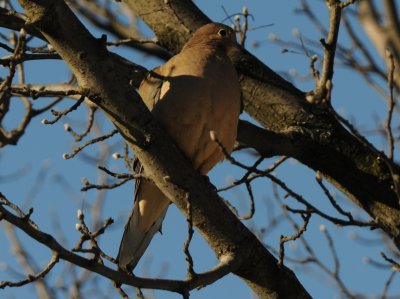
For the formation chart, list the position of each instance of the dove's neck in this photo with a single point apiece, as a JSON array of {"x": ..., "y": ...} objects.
[
  {"x": 204, "y": 50},
  {"x": 208, "y": 46}
]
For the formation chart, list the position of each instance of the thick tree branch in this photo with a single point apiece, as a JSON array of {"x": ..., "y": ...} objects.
[
  {"x": 98, "y": 73},
  {"x": 266, "y": 143}
]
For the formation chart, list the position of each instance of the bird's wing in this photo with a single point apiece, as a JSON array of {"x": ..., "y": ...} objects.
[{"x": 150, "y": 88}]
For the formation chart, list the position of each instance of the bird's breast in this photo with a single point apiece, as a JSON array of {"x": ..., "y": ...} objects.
[{"x": 196, "y": 98}]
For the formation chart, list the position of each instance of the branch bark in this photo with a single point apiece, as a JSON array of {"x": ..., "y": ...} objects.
[{"x": 103, "y": 79}]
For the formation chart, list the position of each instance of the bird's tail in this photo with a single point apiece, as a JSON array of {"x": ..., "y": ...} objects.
[{"x": 144, "y": 221}]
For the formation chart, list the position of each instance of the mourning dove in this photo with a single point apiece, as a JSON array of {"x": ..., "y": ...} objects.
[{"x": 195, "y": 92}]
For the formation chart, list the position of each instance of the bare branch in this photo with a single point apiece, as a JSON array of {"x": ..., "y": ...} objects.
[
  {"x": 27, "y": 263},
  {"x": 321, "y": 91},
  {"x": 315, "y": 210},
  {"x": 189, "y": 260},
  {"x": 36, "y": 91},
  {"x": 59, "y": 114},
  {"x": 79, "y": 137},
  {"x": 338, "y": 208},
  {"x": 118, "y": 175},
  {"x": 15, "y": 60},
  {"x": 391, "y": 104},
  {"x": 295, "y": 236},
  {"x": 87, "y": 143},
  {"x": 388, "y": 283},
  {"x": 32, "y": 277},
  {"x": 89, "y": 186},
  {"x": 87, "y": 235},
  {"x": 395, "y": 265}
]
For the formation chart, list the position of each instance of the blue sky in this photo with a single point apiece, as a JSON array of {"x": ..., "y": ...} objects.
[{"x": 59, "y": 197}]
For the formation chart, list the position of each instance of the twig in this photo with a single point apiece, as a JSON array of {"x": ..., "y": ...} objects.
[
  {"x": 26, "y": 262},
  {"x": 6, "y": 47},
  {"x": 79, "y": 137},
  {"x": 391, "y": 104},
  {"x": 390, "y": 159},
  {"x": 376, "y": 264},
  {"x": 132, "y": 40},
  {"x": 312, "y": 258},
  {"x": 228, "y": 17},
  {"x": 36, "y": 112},
  {"x": 189, "y": 260},
  {"x": 320, "y": 93},
  {"x": 45, "y": 90},
  {"x": 90, "y": 142},
  {"x": 305, "y": 9},
  {"x": 59, "y": 114},
  {"x": 338, "y": 208},
  {"x": 15, "y": 174},
  {"x": 243, "y": 29},
  {"x": 5, "y": 201},
  {"x": 395, "y": 265},
  {"x": 7, "y": 60},
  {"x": 313, "y": 209},
  {"x": 118, "y": 175},
  {"x": 87, "y": 235},
  {"x": 17, "y": 54},
  {"x": 129, "y": 162},
  {"x": 336, "y": 261},
  {"x": 33, "y": 277},
  {"x": 44, "y": 49},
  {"x": 89, "y": 186},
  {"x": 246, "y": 176},
  {"x": 313, "y": 69},
  {"x": 214, "y": 137},
  {"x": 284, "y": 239},
  {"x": 293, "y": 194},
  {"x": 362, "y": 48},
  {"x": 252, "y": 206},
  {"x": 388, "y": 283}
]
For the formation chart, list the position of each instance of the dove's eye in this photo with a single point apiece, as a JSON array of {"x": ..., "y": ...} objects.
[{"x": 222, "y": 32}]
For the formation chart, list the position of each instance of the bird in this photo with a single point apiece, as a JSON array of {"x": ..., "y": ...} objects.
[{"x": 194, "y": 94}]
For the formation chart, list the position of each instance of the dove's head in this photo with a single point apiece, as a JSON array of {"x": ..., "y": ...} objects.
[{"x": 214, "y": 34}]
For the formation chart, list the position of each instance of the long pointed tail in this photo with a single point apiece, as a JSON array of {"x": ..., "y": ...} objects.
[{"x": 144, "y": 221}]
